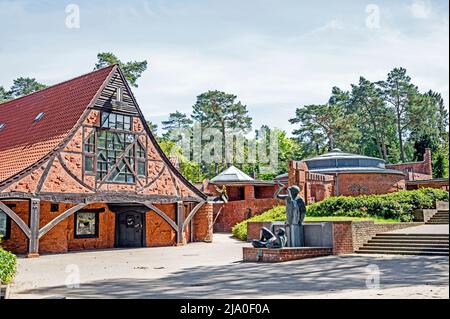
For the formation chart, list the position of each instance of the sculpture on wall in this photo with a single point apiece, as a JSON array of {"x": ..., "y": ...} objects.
[
  {"x": 223, "y": 193},
  {"x": 296, "y": 213},
  {"x": 269, "y": 240}
]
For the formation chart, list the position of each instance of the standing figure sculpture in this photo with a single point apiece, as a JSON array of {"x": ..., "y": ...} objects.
[{"x": 295, "y": 212}]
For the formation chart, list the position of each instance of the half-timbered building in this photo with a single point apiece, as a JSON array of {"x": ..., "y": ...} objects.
[{"x": 80, "y": 169}]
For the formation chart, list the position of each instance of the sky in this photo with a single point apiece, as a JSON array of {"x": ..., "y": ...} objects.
[{"x": 275, "y": 55}]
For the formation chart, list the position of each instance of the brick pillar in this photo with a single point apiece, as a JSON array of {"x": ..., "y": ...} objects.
[
  {"x": 203, "y": 223},
  {"x": 249, "y": 192}
]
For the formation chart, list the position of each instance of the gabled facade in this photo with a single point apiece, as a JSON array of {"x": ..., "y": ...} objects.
[{"x": 80, "y": 169}]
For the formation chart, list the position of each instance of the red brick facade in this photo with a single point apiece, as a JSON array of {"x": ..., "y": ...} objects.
[
  {"x": 317, "y": 187},
  {"x": 163, "y": 197},
  {"x": 61, "y": 238}
]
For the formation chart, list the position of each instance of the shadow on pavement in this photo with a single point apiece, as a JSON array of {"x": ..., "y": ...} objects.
[{"x": 312, "y": 276}]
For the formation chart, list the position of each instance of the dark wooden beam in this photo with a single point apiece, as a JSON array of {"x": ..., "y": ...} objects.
[
  {"x": 192, "y": 213},
  {"x": 99, "y": 197},
  {"x": 163, "y": 215},
  {"x": 16, "y": 218},
  {"x": 35, "y": 215},
  {"x": 180, "y": 219},
  {"x": 44, "y": 230}
]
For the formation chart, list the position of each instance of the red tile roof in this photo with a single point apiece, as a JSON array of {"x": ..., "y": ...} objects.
[{"x": 23, "y": 141}]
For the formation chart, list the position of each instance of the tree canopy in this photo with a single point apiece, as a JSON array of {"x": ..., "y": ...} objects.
[{"x": 132, "y": 70}]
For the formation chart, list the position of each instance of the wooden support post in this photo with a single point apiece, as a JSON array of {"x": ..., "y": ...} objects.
[
  {"x": 35, "y": 212},
  {"x": 180, "y": 223}
]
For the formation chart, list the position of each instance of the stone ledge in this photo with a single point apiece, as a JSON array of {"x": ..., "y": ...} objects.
[{"x": 267, "y": 255}]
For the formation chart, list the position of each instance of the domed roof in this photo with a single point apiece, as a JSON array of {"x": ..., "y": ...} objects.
[{"x": 337, "y": 161}]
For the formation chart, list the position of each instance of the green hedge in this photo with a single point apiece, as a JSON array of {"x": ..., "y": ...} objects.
[
  {"x": 7, "y": 266},
  {"x": 398, "y": 206}
]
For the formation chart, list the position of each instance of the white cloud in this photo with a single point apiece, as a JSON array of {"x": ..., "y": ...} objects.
[{"x": 421, "y": 9}]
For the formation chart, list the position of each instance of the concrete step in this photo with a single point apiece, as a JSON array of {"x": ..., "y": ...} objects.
[
  {"x": 406, "y": 248},
  {"x": 411, "y": 237},
  {"x": 437, "y": 223},
  {"x": 406, "y": 242},
  {"x": 402, "y": 252},
  {"x": 403, "y": 244}
]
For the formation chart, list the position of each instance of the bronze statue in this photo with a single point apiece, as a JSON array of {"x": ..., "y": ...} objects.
[
  {"x": 295, "y": 212},
  {"x": 269, "y": 240},
  {"x": 223, "y": 193}
]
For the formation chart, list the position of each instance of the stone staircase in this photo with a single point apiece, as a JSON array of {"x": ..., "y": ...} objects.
[
  {"x": 407, "y": 244},
  {"x": 441, "y": 216}
]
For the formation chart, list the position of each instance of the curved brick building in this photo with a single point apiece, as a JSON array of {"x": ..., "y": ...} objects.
[
  {"x": 338, "y": 173},
  {"x": 357, "y": 174}
]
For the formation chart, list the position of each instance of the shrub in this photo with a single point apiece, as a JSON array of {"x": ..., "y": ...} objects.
[
  {"x": 7, "y": 267},
  {"x": 398, "y": 206}
]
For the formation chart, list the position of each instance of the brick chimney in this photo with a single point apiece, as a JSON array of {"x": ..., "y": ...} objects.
[{"x": 428, "y": 162}]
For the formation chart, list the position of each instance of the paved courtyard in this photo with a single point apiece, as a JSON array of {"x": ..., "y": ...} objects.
[
  {"x": 215, "y": 270},
  {"x": 424, "y": 229}
]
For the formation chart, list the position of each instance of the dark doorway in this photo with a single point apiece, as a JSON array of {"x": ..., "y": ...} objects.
[{"x": 130, "y": 229}]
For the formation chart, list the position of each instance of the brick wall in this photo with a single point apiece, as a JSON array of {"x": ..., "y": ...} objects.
[
  {"x": 18, "y": 242},
  {"x": 158, "y": 231},
  {"x": 342, "y": 238},
  {"x": 106, "y": 231},
  {"x": 203, "y": 220},
  {"x": 369, "y": 183},
  {"x": 416, "y": 170},
  {"x": 238, "y": 211}
]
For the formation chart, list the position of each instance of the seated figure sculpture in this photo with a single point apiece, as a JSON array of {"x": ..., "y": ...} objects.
[{"x": 269, "y": 240}]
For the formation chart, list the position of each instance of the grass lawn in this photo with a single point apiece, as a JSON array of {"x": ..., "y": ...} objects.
[{"x": 341, "y": 218}]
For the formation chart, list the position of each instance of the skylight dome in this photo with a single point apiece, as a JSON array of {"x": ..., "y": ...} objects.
[
  {"x": 39, "y": 117},
  {"x": 2, "y": 126}
]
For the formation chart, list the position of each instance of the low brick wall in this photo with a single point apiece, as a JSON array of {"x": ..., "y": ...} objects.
[{"x": 267, "y": 255}]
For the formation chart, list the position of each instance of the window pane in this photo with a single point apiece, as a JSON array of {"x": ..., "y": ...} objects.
[
  {"x": 104, "y": 122},
  {"x": 141, "y": 168},
  {"x": 86, "y": 224},
  {"x": 112, "y": 120},
  {"x": 88, "y": 164},
  {"x": 3, "y": 223}
]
